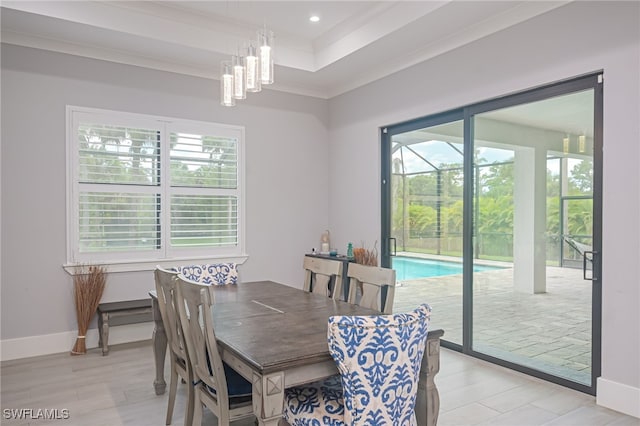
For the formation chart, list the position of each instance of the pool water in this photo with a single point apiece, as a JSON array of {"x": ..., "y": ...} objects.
[{"x": 410, "y": 268}]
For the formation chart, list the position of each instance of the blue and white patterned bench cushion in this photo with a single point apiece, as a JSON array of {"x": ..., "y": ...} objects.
[
  {"x": 379, "y": 359},
  {"x": 212, "y": 274}
]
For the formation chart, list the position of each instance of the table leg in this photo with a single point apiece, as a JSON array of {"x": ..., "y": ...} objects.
[
  {"x": 268, "y": 397},
  {"x": 159, "y": 347},
  {"x": 428, "y": 399}
]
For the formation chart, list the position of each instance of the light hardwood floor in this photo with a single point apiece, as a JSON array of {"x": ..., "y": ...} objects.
[{"x": 117, "y": 390}]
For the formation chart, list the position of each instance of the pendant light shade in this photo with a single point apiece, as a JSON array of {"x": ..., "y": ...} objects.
[
  {"x": 247, "y": 73},
  {"x": 252, "y": 65},
  {"x": 239, "y": 78},
  {"x": 265, "y": 42},
  {"x": 226, "y": 84}
]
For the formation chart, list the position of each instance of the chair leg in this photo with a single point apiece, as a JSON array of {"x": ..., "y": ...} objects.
[
  {"x": 173, "y": 389},
  {"x": 188, "y": 412},
  {"x": 197, "y": 410}
]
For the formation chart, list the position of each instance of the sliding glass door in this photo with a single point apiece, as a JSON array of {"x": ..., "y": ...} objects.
[
  {"x": 491, "y": 213},
  {"x": 533, "y": 207},
  {"x": 426, "y": 219}
]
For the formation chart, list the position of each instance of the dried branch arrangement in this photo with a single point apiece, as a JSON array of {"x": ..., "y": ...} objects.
[
  {"x": 88, "y": 286},
  {"x": 365, "y": 256}
]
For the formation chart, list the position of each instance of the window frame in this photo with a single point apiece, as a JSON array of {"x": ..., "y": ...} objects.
[{"x": 122, "y": 261}]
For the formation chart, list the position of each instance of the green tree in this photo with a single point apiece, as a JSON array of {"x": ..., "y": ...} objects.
[
  {"x": 422, "y": 220},
  {"x": 496, "y": 180},
  {"x": 580, "y": 220},
  {"x": 453, "y": 217},
  {"x": 581, "y": 178}
]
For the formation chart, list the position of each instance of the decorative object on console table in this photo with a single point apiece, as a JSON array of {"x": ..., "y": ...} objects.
[
  {"x": 325, "y": 242},
  {"x": 365, "y": 256},
  {"x": 88, "y": 286}
]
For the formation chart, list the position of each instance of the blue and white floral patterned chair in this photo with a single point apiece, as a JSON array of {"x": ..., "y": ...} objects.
[
  {"x": 379, "y": 359},
  {"x": 211, "y": 274}
]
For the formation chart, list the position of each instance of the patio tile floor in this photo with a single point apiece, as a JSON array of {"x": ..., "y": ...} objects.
[{"x": 548, "y": 331}]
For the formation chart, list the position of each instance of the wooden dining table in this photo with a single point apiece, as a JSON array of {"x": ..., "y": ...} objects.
[{"x": 276, "y": 337}]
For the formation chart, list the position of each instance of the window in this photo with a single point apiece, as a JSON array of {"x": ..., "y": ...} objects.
[{"x": 146, "y": 189}]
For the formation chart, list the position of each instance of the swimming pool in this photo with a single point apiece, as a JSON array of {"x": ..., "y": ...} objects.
[{"x": 411, "y": 268}]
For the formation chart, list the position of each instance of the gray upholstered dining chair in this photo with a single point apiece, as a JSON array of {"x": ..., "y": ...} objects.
[
  {"x": 379, "y": 359},
  {"x": 179, "y": 360},
  {"x": 372, "y": 287},
  {"x": 323, "y": 276},
  {"x": 216, "y": 386}
]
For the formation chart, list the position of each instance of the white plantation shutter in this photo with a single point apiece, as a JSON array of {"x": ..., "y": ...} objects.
[
  {"x": 118, "y": 221},
  {"x": 204, "y": 161},
  {"x": 145, "y": 188},
  {"x": 204, "y": 220},
  {"x": 203, "y": 184},
  {"x": 118, "y": 194},
  {"x": 118, "y": 154}
]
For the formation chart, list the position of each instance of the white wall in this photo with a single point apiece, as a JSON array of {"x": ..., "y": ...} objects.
[
  {"x": 286, "y": 180},
  {"x": 576, "y": 39}
]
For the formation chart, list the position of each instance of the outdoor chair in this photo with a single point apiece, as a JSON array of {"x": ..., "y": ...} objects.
[{"x": 577, "y": 246}]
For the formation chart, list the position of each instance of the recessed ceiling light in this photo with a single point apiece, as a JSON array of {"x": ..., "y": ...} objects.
[{"x": 314, "y": 18}]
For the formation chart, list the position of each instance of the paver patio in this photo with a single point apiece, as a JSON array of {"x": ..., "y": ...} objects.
[{"x": 549, "y": 331}]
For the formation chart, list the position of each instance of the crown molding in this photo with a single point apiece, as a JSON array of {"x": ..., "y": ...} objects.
[
  {"x": 388, "y": 38},
  {"x": 119, "y": 57}
]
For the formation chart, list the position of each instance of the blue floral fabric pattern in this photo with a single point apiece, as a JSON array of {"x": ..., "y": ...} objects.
[
  {"x": 212, "y": 274},
  {"x": 379, "y": 359},
  {"x": 317, "y": 404}
]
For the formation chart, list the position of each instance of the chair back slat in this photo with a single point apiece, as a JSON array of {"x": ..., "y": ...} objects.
[
  {"x": 321, "y": 285},
  {"x": 368, "y": 284},
  {"x": 379, "y": 359},
  {"x": 323, "y": 276},
  {"x": 165, "y": 289},
  {"x": 371, "y": 295},
  {"x": 194, "y": 307}
]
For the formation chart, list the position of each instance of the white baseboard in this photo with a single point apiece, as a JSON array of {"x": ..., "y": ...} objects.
[
  {"x": 618, "y": 397},
  {"x": 26, "y": 347}
]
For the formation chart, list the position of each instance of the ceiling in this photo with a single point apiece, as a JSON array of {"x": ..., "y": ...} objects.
[{"x": 354, "y": 43}]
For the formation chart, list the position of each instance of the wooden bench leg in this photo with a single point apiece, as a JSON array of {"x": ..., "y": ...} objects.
[
  {"x": 104, "y": 334},
  {"x": 99, "y": 329}
]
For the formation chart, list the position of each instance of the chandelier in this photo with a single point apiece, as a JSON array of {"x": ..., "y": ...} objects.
[{"x": 248, "y": 70}]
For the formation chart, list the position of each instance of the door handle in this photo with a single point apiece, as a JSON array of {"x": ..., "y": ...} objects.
[
  {"x": 594, "y": 274},
  {"x": 394, "y": 253}
]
